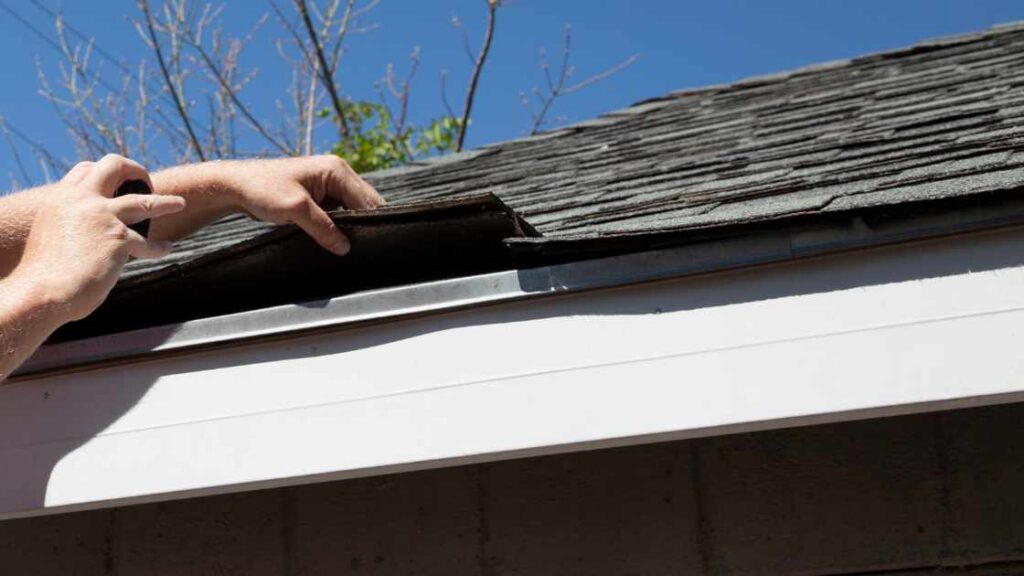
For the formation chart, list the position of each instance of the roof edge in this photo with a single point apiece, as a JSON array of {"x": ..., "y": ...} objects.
[{"x": 845, "y": 232}]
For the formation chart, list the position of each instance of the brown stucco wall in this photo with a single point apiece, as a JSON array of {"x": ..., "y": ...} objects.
[{"x": 909, "y": 494}]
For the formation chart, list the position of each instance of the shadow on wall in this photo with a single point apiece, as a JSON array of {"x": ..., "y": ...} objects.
[{"x": 44, "y": 421}]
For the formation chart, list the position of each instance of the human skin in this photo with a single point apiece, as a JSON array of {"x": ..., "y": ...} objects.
[{"x": 63, "y": 246}]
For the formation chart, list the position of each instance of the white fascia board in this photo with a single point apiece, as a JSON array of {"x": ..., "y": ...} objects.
[{"x": 891, "y": 330}]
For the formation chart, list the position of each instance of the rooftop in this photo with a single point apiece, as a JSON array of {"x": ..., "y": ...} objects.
[{"x": 939, "y": 121}]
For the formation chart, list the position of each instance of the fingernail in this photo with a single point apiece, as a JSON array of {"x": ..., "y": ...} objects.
[{"x": 343, "y": 246}]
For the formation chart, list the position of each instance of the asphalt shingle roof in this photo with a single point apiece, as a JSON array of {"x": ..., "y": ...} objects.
[{"x": 943, "y": 118}]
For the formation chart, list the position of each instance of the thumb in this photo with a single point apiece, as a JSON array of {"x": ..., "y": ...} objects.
[{"x": 143, "y": 249}]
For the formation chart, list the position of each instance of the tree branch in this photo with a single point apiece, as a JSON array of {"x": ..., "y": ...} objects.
[
  {"x": 559, "y": 88},
  {"x": 457, "y": 23},
  {"x": 233, "y": 95},
  {"x": 444, "y": 94},
  {"x": 14, "y": 152},
  {"x": 193, "y": 140},
  {"x": 326, "y": 72},
  {"x": 310, "y": 113},
  {"x": 492, "y": 9},
  {"x": 600, "y": 75}
]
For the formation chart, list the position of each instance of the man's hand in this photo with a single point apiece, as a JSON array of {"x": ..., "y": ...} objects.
[
  {"x": 68, "y": 242},
  {"x": 80, "y": 239},
  {"x": 71, "y": 239},
  {"x": 74, "y": 252},
  {"x": 282, "y": 191},
  {"x": 290, "y": 191}
]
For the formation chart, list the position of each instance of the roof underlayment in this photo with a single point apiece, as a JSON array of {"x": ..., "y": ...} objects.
[{"x": 940, "y": 120}]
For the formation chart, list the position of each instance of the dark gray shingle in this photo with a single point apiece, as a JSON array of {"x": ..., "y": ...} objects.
[{"x": 943, "y": 118}]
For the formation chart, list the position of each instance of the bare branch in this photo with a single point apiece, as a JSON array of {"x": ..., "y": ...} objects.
[
  {"x": 558, "y": 88},
  {"x": 231, "y": 93},
  {"x": 305, "y": 71},
  {"x": 44, "y": 155},
  {"x": 465, "y": 39},
  {"x": 444, "y": 94},
  {"x": 401, "y": 94},
  {"x": 98, "y": 123},
  {"x": 601, "y": 75},
  {"x": 178, "y": 103},
  {"x": 294, "y": 34},
  {"x": 14, "y": 153},
  {"x": 351, "y": 14},
  {"x": 492, "y": 9},
  {"x": 89, "y": 102},
  {"x": 328, "y": 24},
  {"x": 141, "y": 108},
  {"x": 360, "y": 12},
  {"x": 310, "y": 113},
  {"x": 326, "y": 72},
  {"x": 83, "y": 95}
]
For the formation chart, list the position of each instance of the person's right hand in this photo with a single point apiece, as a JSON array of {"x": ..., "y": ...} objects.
[{"x": 80, "y": 239}]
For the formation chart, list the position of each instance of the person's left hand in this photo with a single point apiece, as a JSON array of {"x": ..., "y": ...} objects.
[
  {"x": 292, "y": 190},
  {"x": 281, "y": 191}
]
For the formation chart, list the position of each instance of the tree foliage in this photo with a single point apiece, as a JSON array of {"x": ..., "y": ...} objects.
[{"x": 374, "y": 144}]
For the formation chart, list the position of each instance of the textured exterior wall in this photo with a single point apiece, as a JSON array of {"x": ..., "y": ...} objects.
[{"x": 911, "y": 494}]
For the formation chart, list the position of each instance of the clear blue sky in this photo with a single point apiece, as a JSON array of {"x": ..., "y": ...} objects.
[{"x": 680, "y": 43}]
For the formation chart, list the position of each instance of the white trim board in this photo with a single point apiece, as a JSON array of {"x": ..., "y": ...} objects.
[{"x": 890, "y": 330}]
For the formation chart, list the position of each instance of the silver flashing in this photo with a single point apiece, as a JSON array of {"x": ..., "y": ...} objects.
[{"x": 436, "y": 297}]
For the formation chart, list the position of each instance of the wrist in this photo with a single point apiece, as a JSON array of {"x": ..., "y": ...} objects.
[
  {"x": 206, "y": 187},
  {"x": 17, "y": 212},
  {"x": 27, "y": 297}
]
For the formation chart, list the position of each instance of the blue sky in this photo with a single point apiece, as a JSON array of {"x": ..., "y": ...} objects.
[{"x": 679, "y": 43}]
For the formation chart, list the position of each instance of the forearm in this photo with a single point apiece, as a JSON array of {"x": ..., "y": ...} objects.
[
  {"x": 281, "y": 191},
  {"x": 208, "y": 197},
  {"x": 27, "y": 318},
  {"x": 17, "y": 212}
]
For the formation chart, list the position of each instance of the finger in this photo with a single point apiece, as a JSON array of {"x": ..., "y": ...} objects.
[
  {"x": 315, "y": 222},
  {"x": 143, "y": 249},
  {"x": 371, "y": 198},
  {"x": 111, "y": 171},
  {"x": 132, "y": 208},
  {"x": 78, "y": 172},
  {"x": 347, "y": 187}
]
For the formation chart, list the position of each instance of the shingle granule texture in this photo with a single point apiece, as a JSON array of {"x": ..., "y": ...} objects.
[{"x": 940, "y": 119}]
